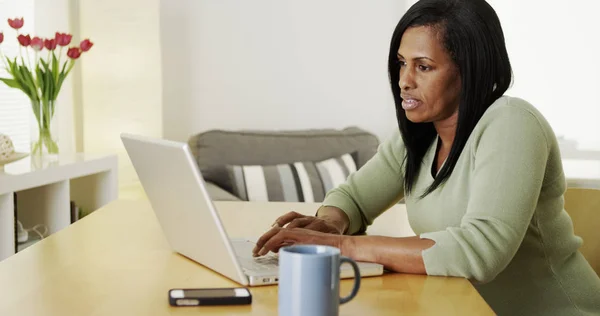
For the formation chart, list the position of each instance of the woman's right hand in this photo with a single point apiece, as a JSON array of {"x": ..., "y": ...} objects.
[
  {"x": 321, "y": 224},
  {"x": 329, "y": 220}
]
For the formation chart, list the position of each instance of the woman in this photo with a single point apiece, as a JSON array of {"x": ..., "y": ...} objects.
[{"x": 480, "y": 172}]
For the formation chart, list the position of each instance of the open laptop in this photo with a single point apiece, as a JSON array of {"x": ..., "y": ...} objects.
[{"x": 177, "y": 192}]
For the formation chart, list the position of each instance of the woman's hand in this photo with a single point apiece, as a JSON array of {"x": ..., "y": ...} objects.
[
  {"x": 320, "y": 224},
  {"x": 278, "y": 237},
  {"x": 298, "y": 228}
]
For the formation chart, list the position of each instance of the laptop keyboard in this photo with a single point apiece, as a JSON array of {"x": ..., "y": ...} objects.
[
  {"x": 260, "y": 264},
  {"x": 243, "y": 249}
]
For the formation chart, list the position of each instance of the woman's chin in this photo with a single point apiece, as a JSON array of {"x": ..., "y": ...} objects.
[{"x": 415, "y": 117}]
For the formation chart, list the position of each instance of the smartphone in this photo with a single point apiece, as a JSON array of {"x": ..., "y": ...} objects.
[{"x": 202, "y": 297}]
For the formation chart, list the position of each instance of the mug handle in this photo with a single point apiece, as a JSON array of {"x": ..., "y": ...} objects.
[{"x": 356, "y": 279}]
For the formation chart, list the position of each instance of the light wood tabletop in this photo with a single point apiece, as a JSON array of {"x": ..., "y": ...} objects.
[{"x": 117, "y": 262}]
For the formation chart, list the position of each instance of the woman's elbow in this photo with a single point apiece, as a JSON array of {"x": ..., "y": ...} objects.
[{"x": 484, "y": 271}]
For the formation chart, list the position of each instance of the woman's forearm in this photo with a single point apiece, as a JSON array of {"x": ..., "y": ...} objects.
[
  {"x": 396, "y": 254},
  {"x": 334, "y": 216}
]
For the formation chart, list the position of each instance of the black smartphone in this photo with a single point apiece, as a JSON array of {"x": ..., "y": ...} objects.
[{"x": 202, "y": 297}]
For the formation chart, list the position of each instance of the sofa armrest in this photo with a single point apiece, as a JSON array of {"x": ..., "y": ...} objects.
[{"x": 218, "y": 194}]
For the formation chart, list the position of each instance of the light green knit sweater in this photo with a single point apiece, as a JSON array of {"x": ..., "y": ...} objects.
[{"x": 498, "y": 220}]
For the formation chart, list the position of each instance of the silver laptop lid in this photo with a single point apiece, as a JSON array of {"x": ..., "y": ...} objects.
[{"x": 176, "y": 190}]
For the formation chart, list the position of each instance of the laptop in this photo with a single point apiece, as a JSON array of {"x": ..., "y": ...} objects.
[{"x": 189, "y": 220}]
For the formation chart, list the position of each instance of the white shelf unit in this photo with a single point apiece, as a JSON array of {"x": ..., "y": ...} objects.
[{"x": 45, "y": 189}]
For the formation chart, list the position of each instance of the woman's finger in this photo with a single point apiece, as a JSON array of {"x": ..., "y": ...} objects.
[
  {"x": 283, "y": 244},
  {"x": 321, "y": 226},
  {"x": 294, "y": 236},
  {"x": 275, "y": 242},
  {"x": 288, "y": 217},
  {"x": 300, "y": 222},
  {"x": 264, "y": 238}
]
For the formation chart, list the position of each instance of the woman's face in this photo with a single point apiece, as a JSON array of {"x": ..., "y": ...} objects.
[{"x": 429, "y": 80}]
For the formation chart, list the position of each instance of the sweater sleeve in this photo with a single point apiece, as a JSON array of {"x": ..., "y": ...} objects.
[
  {"x": 372, "y": 189},
  {"x": 509, "y": 166}
]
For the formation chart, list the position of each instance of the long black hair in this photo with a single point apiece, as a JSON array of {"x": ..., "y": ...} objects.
[{"x": 472, "y": 35}]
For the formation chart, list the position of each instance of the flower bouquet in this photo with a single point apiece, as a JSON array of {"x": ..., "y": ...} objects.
[{"x": 41, "y": 79}]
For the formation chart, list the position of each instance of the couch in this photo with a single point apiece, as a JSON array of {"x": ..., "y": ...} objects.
[{"x": 215, "y": 149}]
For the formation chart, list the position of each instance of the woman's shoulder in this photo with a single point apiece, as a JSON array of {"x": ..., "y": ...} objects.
[
  {"x": 515, "y": 115},
  {"x": 512, "y": 104}
]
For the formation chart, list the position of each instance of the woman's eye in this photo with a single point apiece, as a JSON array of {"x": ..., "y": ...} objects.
[
  {"x": 401, "y": 63},
  {"x": 423, "y": 68}
]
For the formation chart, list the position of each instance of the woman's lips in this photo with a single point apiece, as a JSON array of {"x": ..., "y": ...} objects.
[{"x": 410, "y": 103}]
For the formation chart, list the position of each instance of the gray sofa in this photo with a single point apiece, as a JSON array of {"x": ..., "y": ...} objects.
[{"x": 216, "y": 149}]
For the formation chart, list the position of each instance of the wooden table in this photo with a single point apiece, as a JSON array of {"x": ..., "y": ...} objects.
[{"x": 117, "y": 262}]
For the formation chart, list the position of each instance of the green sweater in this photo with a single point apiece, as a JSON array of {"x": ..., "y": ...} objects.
[{"x": 499, "y": 218}]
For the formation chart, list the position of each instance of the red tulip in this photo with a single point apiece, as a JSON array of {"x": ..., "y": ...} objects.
[
  {"x": 86, "y": 45},
  {"x": 16, "y": 23},
  {"x": 74, "y": 52},
  {"x": 24, "y": 40},
  {"x": 1, "y": 37},
  {"x": 50, "y": 44},
  {"x": 63, "y": 39},
  {"x": 37, "y": 44}
]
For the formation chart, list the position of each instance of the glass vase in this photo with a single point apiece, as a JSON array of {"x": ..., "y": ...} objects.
[{"x": 44, "y": 129}]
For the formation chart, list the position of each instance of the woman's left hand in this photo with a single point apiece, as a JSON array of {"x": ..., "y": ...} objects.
[{"x": 279, "y": 237}]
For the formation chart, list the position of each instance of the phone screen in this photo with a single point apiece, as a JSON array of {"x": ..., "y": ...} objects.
[
  {"x": 219, "y": 296},
  {"x": 210, "y": 293}
]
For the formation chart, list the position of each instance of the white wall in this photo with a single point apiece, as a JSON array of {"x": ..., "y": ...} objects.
[
  {"x": 120, "y": 76},
  {"x": 273, "y": 64}
]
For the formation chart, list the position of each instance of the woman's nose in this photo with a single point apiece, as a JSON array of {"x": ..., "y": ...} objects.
[{"x": 406, "y": 81}]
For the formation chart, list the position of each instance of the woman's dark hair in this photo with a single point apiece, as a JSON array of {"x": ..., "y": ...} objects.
[{"x": 473, "y": 37}]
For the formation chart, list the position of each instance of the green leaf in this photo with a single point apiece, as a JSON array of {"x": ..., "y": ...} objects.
[
  {"x": 18, "y": 77},
  {"x": 61, "y": 78},
  {"x": 50, "y": 88},
  {"x": 55, "y": 67},
  {"x": 44, "y": 64},
  {"x": 11, "y": 83},
  {"x": 39, "y": 76},
  {"x": 11, "y": 64},
  {"x": 29, "y": 81}
]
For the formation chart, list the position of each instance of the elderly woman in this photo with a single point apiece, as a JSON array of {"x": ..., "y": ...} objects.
[{"x": 480, "y": 173}]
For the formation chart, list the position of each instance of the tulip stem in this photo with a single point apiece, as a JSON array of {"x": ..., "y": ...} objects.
[
  {"x": 4, "y": 61},
  {"x": 21, "y": 51},
  {"x": 28, "y": 60},
  {"x": 60, "y": 54}
]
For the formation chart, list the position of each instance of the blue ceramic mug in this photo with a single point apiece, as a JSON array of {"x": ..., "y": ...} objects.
[{"x": 309, "y": 280}]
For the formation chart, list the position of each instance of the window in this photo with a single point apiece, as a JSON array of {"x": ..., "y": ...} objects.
[
  {"x": 554, "y": 50},
  {"x": 14, "y": 105}
]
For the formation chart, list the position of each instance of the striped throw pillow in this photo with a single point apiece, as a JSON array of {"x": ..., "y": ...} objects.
[{"x": 295, "y": 182}]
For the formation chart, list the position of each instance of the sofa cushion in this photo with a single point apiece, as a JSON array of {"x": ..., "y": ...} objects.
[
  {"x": 294, "y": 182},
  {"x": 218, "y": 194},
  {"x": 216, "y": 149}
]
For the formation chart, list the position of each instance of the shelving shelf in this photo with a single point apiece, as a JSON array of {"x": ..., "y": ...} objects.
[{"x": 46, "y": 187}]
